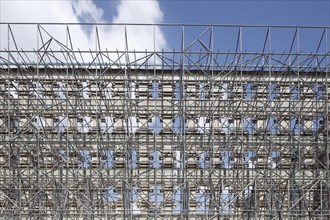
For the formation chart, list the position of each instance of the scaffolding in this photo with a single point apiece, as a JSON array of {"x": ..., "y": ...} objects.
[{"x": 224, "y": 126}]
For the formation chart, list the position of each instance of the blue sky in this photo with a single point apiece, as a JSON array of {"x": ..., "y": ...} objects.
[
  {"x": 248, "y": 12},
  {"x": 289, "y": 12}
]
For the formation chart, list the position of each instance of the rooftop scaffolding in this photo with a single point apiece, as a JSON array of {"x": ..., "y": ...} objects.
[{"x": 225, "y": 126}]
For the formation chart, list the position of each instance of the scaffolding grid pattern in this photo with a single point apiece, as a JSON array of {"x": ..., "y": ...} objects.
[{"x": 203, "y": 131}]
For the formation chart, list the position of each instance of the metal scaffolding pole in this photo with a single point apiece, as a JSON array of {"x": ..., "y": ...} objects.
[{"x": 224, "y": 126}]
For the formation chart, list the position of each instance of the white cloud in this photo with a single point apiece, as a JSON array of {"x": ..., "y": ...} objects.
[
  {"x": 140, "y": 38},
  {"x": 87, "y": 11},
  {"x": 142, "y": 12},
  {"x": 138, "y": 12}
]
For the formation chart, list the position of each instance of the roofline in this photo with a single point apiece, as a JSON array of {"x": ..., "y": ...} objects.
[{"x": 163, "y": 24}]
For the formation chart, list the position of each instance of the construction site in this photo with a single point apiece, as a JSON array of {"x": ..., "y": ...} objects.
[{"x": 233, "y": 123}]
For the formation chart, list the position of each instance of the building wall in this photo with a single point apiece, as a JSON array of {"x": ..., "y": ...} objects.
[{"x": 140, "y": 143}]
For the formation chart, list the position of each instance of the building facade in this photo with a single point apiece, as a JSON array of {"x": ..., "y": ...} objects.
[{"x": 195, "y": 133}]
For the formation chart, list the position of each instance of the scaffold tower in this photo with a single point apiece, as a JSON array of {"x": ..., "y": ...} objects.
[{"x": 233, "y": 123}]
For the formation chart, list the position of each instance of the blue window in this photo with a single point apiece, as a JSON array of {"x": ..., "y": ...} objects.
[
  {"x": 227, "y": 90},
  {"x": 179, "y": 124},
  {"x": 250, "y": 125},
  {"x": 273, "y": 91},
  {"x": 107, "y": 124},
  {"x": 61, "y": 123},
  {"x": 133, "y": 90},
  {"x": 13, "y": 88},
  {"x": 132, "y": 124},
  {"x": 179, "y": 160},
  {"x": 155, "y": 159},
  {"x": 226, "y": 159},
  {"x": 203, "y": 124},
  {"x": 84, "y": 124},
  {"x": 177, "y": 200},
  {"x": 295, "y": 125},
  {"x": 156, "y": 195},
  {"x": 227, "y": 125},
  {"x": 204, "y": 160},
  {"x": 155, "y": 124},
  {"x": 14, "y": 123},
  {"x": 225, "y": 198},
  {"x": 249, "y": 89},
  {"x": 202, "y": 200},
  {"x": 178, "y": 91},
  {"x": 63, "y": 155},
  {"x": 295, "y": 92},
  {"x": 108, "y": 89},
  {"x": 60, "y": 90},
  {"x": 155, "y": 90},
  {"x": 133, "y": 159},
  {"x": 203, "y": 90},
  {"x": 133, "y": 193},
  {"x": 274, "y": 157},
  {"x": 36, "y": 89},
  {"x": 85, "y": 90},
  {"x": 274, "y": 154},
  {"x": 248, "y": 198},
  {"x": 110, "y": 195},
  {"x": 249, "y": 160},
  {"x": 85, "y": 159},
  {"x": 319, "y": 92},
  {"x": 108, "y": 158},
  {"x": 272, "y": 125},
  {"x": 317, "y": 123}
]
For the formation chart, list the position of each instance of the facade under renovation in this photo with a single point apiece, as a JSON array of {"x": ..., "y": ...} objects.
[{"x": 201, "y": 131}]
